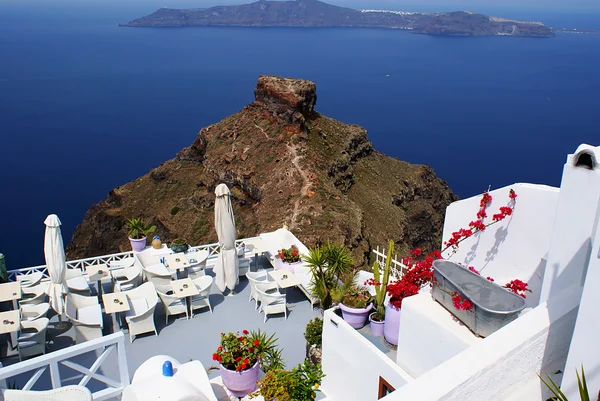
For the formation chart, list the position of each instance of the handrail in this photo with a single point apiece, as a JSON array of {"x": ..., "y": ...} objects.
[
  {"x": 397, "y": 269},
  {"x": 51, "y": 362},
  {"x": 213, "y": 250}
]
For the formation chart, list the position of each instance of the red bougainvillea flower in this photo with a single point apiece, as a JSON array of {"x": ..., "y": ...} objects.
[
  {"x": 245, "y": 332},
  {"x": 512, "y": 194},
  {"x": 256, "y": 343},
  {"x": 518, "y": 287},
  {"x": 215, "y": 356},
  {"x": 490, "y": 279},
  {"x": 474, "y": 270}
]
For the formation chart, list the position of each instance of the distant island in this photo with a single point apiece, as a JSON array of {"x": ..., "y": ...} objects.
[{"x": 314, "y": 13}]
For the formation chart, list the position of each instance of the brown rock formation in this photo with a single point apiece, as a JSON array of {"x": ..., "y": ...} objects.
[{"x": 284, "y": 163}]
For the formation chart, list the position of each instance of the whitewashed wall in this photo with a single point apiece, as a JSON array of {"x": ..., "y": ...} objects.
[
  {"x": 513, "y": 248},
  {"x": 584, "y": 349},
  {"x": 505, "y": 364},
  {"x": 352, "y": 364},
  {"x": 575, "y": 223}
]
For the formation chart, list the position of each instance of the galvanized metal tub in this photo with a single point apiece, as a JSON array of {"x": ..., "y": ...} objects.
[{"x": 493, "y": 306}]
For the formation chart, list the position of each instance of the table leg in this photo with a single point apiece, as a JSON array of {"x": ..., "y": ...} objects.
[
  {"x": 13, "y": 339},
  {"x": 15, "y": 306}
]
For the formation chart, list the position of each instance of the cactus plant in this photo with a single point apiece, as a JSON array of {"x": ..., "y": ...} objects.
[{"x": 382, "y": 282}]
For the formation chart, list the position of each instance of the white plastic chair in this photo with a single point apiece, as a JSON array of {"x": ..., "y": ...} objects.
[
  {"x": 171, "y": 304},
  {"x": 32, "y": 339},
  {"x": 30, "y": 280},
  {"x": 254, "y": 278},
  {"x": 31, "y": 312},
  {"x": 127, "y": 278},
  {"x": 140, "y": 316},
  {"x": 202, "y": 300},
  {"x": 76, "y": 282},
  {"x": 34, "y": 295},
  {"x": 197, "y": 269},
  {"x": 86, "y": 315},
  {"x": 66, "y": 393},
  {"x": 271, "y": 300},
  {"x": 157, "y": 273}
]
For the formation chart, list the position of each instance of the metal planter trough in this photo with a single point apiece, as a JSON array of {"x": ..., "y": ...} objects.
[{"x": 493, "y": 306}]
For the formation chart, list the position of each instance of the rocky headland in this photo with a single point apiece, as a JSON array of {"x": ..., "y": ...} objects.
[
  {"x": 285, "y": 164},
  {"x": 314, "y": 13}
]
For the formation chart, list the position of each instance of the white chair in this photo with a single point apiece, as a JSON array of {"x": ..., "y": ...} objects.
[
  {"x": 197, "y": 268},
  {"x": 202, "y": 300},
  {"x": 30, "y": 280},
  {"x": 31, "y": 312},
  {"x": 34, "y": 295},
  {"x": 271, "y": 300},
  {"x": 86, "y": 315},
  {"x": 66, "y": 393},
  {"x": 243, "y": 262},
  {"x": 76, "y": 282},
  {"x": 254, "y": 278},
  {"x": 32, "y": 339},
  {"x": 171, "y": 304},
  {"x": 140, "y": 316},
  {"x": 127, "y": 278},
  {"x": 157, "y": 273}
]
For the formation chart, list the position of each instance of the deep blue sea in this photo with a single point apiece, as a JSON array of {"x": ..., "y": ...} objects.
[{"x": 86, "y": 106}]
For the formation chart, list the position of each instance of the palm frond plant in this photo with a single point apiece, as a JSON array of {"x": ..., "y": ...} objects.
[
  {"x": 138, "y": 228},
  {"x": 584, "y": 394}
]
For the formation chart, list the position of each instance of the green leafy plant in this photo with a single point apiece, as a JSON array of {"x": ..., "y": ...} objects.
[
  {"x": 380, "y": 282},
  {"x": 353, "y": 296},
  {"x": 179, "y": 241},
  {"x": 327, "y": 263},
  {"x": 314, "y": 332},
  {"x": 175, "y": 210},
  {"x": 584, "y": 394},
  {"x": 240, "y": 352},
  {"x": 138, "y": 228},
  {"x": 289, "y": 255},
  {"x": 299, "y": 384}
]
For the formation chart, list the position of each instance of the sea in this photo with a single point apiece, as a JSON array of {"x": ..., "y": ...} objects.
[{"x": 86, "y": 106}]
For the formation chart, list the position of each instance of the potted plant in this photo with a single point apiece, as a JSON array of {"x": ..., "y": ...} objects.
[
  {"x": 355, "y": 302},
  {"x": 179, "y": 245},
  {"x": 241, "y": 355},
  {"x": 327, "y": 264},
  {"x": 300, "y": 383},
  {"x": 377, "y": 318},
  {"x": 138, "y": 231},
  {"x": 314, "y": 340}
]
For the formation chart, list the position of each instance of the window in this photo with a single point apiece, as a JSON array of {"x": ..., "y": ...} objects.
[{"x": 385, "y": 388}]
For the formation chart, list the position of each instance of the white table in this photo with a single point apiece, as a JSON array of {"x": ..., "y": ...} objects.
[
  {"x": 10, "y": 322},
  {"x": 257, "y": 247},
  {"x": 184, "y": 288},
  {"x": 115, "y": 303},
  {"x": 10, "y": 291},
  {"x": 284, "y": 278},
  {"x": 96, "y": 274},
  {"x": 177, "y": 262}
]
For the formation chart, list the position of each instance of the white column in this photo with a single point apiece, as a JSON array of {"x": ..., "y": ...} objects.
[
  {"x": 575, "y": 222},
  {"x": 584, "y": 349}
]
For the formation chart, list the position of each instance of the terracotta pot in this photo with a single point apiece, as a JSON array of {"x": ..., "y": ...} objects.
[
  {"x": 137, "y": 245},
  {"x": 391, "y": 328},
  {"x": 376, "y": 326},
  {"x": 355, "y": 317},
  {"x": 240, "y": 383}
]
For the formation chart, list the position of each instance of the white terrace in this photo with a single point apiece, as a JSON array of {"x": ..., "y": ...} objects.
[{"x": 552, "y": 241}]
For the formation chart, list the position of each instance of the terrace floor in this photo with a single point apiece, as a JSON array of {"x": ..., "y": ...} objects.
[{"x": 196, "y": 338}]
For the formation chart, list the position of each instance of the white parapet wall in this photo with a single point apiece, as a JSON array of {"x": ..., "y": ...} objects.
[
  {"x": 353, "y": 365},
  {"x": 515, "y": 248},
  {"x": 504, "y": 365}
]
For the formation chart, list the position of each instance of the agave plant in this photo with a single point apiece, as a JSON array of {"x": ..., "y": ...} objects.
[
  {"x": 328, "y": 264},
  {"x": 584, "y": 394},
  {"x": 381, "y": 289},
  {"x": 138, "y": 228}
]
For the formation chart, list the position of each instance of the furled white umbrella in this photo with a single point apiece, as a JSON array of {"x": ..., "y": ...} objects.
[
  {"x": 54, "y": 252},
  {"x": 227, "y": 267}
]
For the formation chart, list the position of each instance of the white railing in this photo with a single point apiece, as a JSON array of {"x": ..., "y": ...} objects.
[
  {"x": 51, "y": 362},
  {"x": 213, "y": 251},
  {"x": 397, "y": 268}
]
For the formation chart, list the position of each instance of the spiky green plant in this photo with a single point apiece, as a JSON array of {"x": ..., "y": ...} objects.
[
  {"x": 272, "y": 359},
  {"x": 381, "y": 290},
  {"x": 138, "y": 228},
  {"x": 584, "y": 394},
  {"x": 327, "y": 263}
]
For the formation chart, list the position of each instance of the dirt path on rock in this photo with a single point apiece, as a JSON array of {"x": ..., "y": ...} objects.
[{"x": 296, "y": 163}]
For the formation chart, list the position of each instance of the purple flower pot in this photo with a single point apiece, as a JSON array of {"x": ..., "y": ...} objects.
[
  {"x": 138, "y": 245},
  {"x": 240, "y": 383},
  {"x": 376, "y": 327},
  {"x": 391, "y": 327},
  {"x": 355, "y": 317}
]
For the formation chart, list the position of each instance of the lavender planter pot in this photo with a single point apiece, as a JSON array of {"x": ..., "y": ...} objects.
[
  {"x": 376, "y": 327},
  {"x": 355, "y": 317},
  {"x": 240, "y": 383},
  {"x": 391, "y": 328},
  {"x": 138, "y": 245}
]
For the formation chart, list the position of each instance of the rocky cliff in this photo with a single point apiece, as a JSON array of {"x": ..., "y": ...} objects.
[{"x": 284, "y": 163}]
